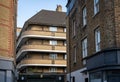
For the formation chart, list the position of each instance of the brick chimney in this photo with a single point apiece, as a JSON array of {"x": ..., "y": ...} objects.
[{"x": 59, "y": 8}]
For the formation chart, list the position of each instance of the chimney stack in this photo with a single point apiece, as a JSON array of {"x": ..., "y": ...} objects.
[{"x": 59, "y": 8}]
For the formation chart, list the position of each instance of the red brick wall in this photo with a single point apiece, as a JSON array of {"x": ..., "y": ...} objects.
[{"x": 7, "y": 28}]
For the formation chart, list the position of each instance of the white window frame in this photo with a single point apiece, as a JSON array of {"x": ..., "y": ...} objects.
[
  {"x": 84, "y": 48},
  {"x": 65, "y": 56},
  {"x": 84, "y": 11},
  {"x": 65, "y": 43},
  {"x": 64, "y": 29},
  {"x": 84, "y": 62},
  {"x": 53, "y": 42},
  {"x": 53, "y": 56},
  {"x": 97, "y": 40},
  {"x": 53, "y": 29},
  {"x": 96, "y": 6},
  {"x": 52, "y": 69}
]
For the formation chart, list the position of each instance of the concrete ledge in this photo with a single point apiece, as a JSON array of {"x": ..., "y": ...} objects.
[
  {"x": 7, "y": 70},
  {"x": 7, "y": 64}
]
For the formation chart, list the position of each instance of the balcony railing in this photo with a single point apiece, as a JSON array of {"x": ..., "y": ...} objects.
[
  {"x": 60, "y": 62},
  {"x": 41, "y": 62},
  {"x": 35, "y": 61},
  {"x": 41, "y": 34},
  {"x": 45, "y": 33},
  {"x": 41, "y": 48}
]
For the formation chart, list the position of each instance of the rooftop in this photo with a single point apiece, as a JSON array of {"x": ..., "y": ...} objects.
[{"x": 47, "y": 17}]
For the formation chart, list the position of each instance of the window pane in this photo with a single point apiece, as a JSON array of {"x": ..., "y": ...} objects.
[
  {"x": 64, "y": 43},
  {"x": 53, "y": 56},
  {"x": 65, "y": 56},
  {"x": 64, "y": 29},
  {"x": 96, "y": 6},
  {"x": 53, "y": 42},
  {"x": 53, "y": 28},
  {"x": 97, "y": 39},
  {"x": 84, "y": 62},
  {"x": 84, "y": 48},
  {"x": 95, "y": 77},
  {"x": 2, "y": 76},
  {"x": 98, "y": 35},
  {"x": 53, "y": 69},
  {"x": 84, "y": 16}
]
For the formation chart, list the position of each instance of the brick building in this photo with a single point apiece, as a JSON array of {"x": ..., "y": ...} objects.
[
  {"x": 8, "y": 10},
  {"x": 93, "y": 40},
  {"x": 41, "y": 48}
]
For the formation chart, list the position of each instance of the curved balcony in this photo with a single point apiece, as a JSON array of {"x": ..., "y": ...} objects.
[
  {"x": 41, "y": 62},
  {"x": 60, "y": 62},
  {"x": 40, "y": 48},
  {"x": 42, "y": 34},
  {"x": 45, "y": 33}
]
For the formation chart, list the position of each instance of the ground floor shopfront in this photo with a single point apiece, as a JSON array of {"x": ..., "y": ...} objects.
[
  {"x": 95, "y": 76},
  {"x": 38, "y": 77},
  {"x": 105, "y": 76},
  {"x": 78, "y": 76},
  {"x": 104, "y": 66}
]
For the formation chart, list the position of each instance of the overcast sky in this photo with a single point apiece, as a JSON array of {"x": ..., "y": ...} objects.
[{"x": 28, "y": 8}]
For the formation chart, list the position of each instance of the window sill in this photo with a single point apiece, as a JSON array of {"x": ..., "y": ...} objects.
[
  {"x": 84, "y": 58},
  {"x": 95, "y": 14},
  {"x": 84, "y": 26}
]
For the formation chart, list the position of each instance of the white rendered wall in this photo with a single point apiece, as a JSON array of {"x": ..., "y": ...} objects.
[{"x": 79, "y": 77}]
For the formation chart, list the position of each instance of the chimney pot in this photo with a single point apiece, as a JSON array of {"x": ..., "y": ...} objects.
[{"x": 59, "y": 8}]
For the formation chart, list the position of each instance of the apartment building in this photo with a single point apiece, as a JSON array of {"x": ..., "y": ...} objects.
[
  {"x": 41, "y": 48},
  {"x": 8, "y": 13},
  {"x": 93, "y": 37},
  {"x": 18, "y": 30}
]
